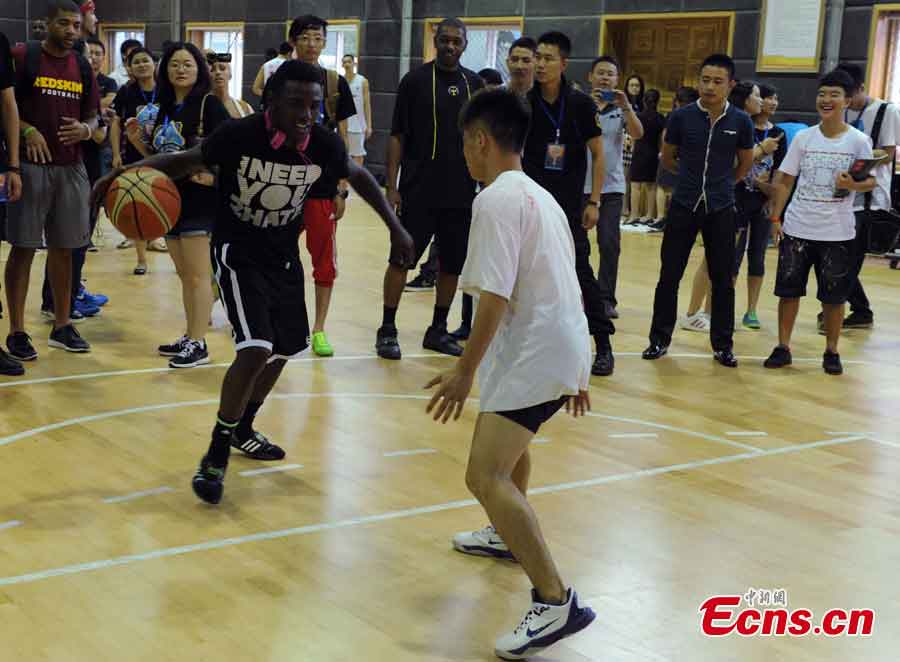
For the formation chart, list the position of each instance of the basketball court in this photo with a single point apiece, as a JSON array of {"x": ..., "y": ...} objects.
[{"x": 687, "y": 481}]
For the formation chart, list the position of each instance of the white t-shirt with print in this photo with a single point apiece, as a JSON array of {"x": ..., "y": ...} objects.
[
  {"x": 888, "y": 136},
  {"x": 521, "y": 248},
  {"x": 815, "y": 212},
  {"x": 270, "y": 67}
]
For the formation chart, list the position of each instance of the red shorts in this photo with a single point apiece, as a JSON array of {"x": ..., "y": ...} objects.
[{"x": 321, "y": 239}]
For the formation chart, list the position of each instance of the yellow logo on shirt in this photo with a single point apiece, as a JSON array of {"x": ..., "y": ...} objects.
[{"x": 69, "y": 89}]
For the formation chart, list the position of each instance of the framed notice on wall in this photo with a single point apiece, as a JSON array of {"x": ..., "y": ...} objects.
[{"x": 790, "y": 36}]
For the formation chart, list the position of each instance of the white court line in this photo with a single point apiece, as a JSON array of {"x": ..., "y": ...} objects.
[
  {"x": 270, "y": 470},
  {"x": 540, "y": 440},
  {"x": 10, "y": 525},
  {"x": 139, "y": 495},
  {"x": 397, "y": 514},
  {"x": 669, "y": 428},
  {"x": 844, "y": 434},
  {"x": 747, "y": 433},
  {"x": 361, "y": 357},
  {"x": 417, "y": 451},
  {"x": 884, "y": 442},
  {"x": 634, "y": 435}
]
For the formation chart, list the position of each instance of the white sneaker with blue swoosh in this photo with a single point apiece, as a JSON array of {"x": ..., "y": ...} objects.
[{"x": 543, "y": 626}]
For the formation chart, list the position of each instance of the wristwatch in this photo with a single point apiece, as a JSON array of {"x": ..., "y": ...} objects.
[{"x": 593, "y": 203}]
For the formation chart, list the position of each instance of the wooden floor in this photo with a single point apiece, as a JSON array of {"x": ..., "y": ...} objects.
[{"x": 689, "y": 480}]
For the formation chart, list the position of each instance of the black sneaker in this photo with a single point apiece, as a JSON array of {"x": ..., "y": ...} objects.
[
  {"x": 438, "y": 340},
  {"x": 173, "y": 349},
  {"x": 654, "y": 352},
  {"x": 779, "y": 358},
  {"x": 831, "y": 363},
  {"x": 857, "y": 320},
  {"x": 420, "y": 283},
  {"x": 604, "y": 363},
  {"x": 726, "y": 358},
  {"x": 20, "y": 347},
  {"x": 9, "y": 366},
  {"x": 193, "y": 353},
  {"x": 257, "y": 447},
  {"x": 462, "y": 333},
  {"x": 209, "y": 482},
  {"x": 386, "y": 343},
  {"x": 69, "y": 339},
  {"x": 611, "y": 311}
]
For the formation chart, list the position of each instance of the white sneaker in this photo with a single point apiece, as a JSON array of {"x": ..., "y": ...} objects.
[
  {"x": 696, "y": 322},
  {"x": 543, "y": 626},
  {"x": 486, "y": 542}
]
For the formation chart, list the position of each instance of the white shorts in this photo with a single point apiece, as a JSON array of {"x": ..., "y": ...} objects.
[{"x": 357, "y": 144}]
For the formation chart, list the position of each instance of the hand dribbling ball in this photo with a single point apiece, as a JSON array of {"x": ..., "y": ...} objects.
[{"x": 143, "y": 204}]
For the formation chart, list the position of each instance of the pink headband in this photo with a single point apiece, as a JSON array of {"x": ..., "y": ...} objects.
[{"x": 88, "y": 7}]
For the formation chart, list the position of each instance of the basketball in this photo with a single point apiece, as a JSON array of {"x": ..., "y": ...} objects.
[{"x": 143, "y": 203}]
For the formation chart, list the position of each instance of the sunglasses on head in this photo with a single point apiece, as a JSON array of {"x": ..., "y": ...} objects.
[{"x": 212, "y": 58}]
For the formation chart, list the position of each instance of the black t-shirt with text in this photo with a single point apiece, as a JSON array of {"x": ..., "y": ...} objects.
[
  {"x": 433, "y": 169},
  {"x": 133, "y": 101},
  {"x": 262, "y": 189},
  {"x": 177, "y": 132},
  {"x": 580, "y": 123}
]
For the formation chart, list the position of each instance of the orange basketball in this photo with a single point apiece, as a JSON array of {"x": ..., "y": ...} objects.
[{"x": 143, "y": 203}]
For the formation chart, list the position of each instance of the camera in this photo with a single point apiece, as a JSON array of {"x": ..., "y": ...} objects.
[{"x": 212, "y": 58}]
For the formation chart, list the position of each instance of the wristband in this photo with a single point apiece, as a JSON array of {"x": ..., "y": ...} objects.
[
  {"x": 774, "y": 219},
  {"x": 344, "y": 194},
  {"x": 87, "y": 127},
  {"x": 593, "y": 203},
  {"x": 26, "y": 132},
  {"x": 15, "y": 169}
]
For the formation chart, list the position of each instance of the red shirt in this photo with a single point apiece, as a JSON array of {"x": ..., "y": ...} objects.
[{"x": 58, "y": 92}]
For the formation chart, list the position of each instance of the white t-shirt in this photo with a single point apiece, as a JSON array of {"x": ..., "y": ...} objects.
[
  {"x": 271, "y": 67},
  {"x": 889, "y": 135},
  {"x": 612, "y": 121},
  {"x": 521, "y": 248},
  {"x": 357, "y": 123},
  {"x": 815, "y": 212}
]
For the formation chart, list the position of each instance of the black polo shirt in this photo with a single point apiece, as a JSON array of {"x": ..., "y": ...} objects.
[
  {"x": 580, "y": 123},
  {"x": 433, "y": 169},
  {"x": 706, "y": 154}
]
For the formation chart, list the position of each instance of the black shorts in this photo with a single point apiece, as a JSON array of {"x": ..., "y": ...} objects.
[
  {"x": 532, "y": 418},
  {"x": 265, "y": 303},
  {"x": 196, "y": 226},
  {"x": 449, "y": 226},
  {"x": 832, "y": 261}
]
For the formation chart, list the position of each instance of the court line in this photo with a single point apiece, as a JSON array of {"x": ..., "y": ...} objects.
[
  {"x": 748, "y": 433},
  {"x": 138, "y": 495},
  {"x": 634, "y": 435},
  {"x": 270, "y": 470},
  {"x": 10, "y": 525},
  {"x": 418, "y": 451},
  {"x": 668, "y": 428},
  {"x": 168, "y": 552},
  {"x": 540, "y": 440},
  {"x": 25, "y": 434},
  {"x": 361, "y": 357},
  {"x": 884, "y": 442}
]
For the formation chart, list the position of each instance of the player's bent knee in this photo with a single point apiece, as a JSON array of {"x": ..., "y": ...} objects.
[{"x": 253, "y": 356}]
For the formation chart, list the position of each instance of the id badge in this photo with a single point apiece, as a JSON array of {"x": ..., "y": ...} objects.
[{"x": 556, "y": 157}]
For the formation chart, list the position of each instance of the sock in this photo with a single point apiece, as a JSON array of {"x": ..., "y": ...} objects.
[
  {"x": 245, "y": 427},
  {"x": 390, "y": 316},
  {"x": 440, "y": 317},
  {"x": 602, "y": 341},
  {"x": 220, "y": 446},
  {"x": 467, "y": 304}
]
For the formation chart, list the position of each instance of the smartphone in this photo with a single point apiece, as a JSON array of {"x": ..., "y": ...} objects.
[{"x": 605, "y": 95}]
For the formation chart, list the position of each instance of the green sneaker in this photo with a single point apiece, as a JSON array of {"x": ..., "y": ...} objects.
[
  {"x": 321, "y": 346},
  {"x": 751, "y": 321}
]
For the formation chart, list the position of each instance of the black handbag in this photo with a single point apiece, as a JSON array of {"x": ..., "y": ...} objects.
[{"x": 880, "y": 228}]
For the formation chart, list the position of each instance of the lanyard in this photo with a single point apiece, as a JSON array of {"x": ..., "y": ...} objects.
[
  {"x": 144, "y": 94},
  {"x": 857, "y": 123},
  {"x": 434, "y": 105},
  {"x": 557, "y": 124}
]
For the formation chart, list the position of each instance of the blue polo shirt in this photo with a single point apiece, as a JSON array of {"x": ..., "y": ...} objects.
[{"x": 706, "y": 154}]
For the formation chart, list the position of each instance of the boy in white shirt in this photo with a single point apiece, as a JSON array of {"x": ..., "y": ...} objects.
[
  {"x": 531, "y": 348},
  {"x": 819, "y": 226}
]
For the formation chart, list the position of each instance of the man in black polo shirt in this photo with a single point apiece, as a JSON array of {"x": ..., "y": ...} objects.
[
  {"x": 435, "y": 191},
  {"x": 564, "y": 127},
  {"x": 702, "y": 141}
]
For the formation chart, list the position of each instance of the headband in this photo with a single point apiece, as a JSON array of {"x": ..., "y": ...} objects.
[{"x": 88, "y": 7}]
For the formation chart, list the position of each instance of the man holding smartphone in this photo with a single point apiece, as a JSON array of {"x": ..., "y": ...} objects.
[{"x": 616, "y": 117}]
